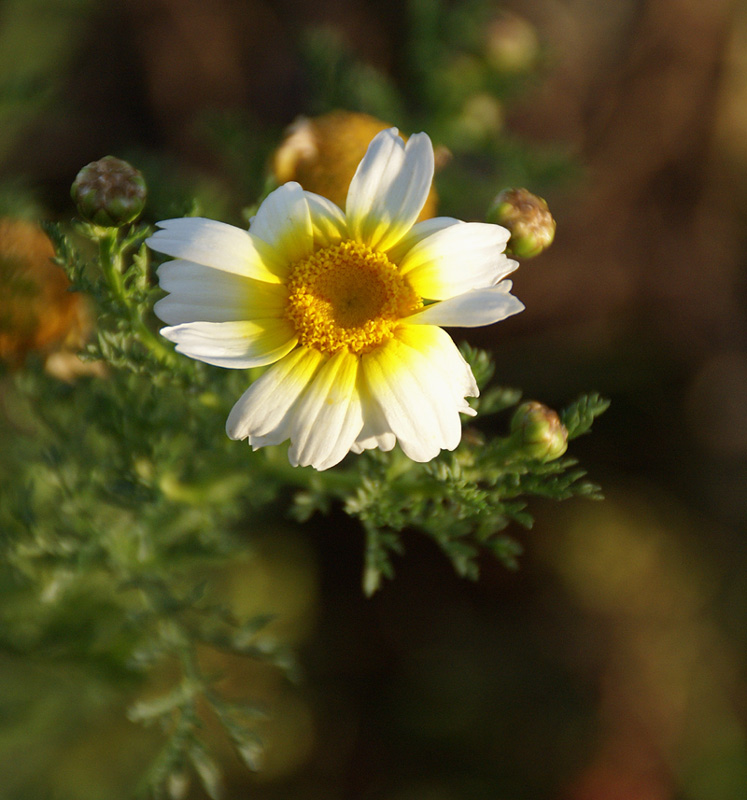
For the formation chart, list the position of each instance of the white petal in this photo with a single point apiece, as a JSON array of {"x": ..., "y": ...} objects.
[
  {"x": 418, "y": 232},
  {"x": 264, "y": 412},
  {"x": 389, "y": 188},
  {"x": 218, "y": 245},
  {"x": 457, "y": 259},
  {"x": 352, "y": 422},
  {"x": 471, "y": 309},
  {"x": 382, "y": 441},
  {"x": 248, "y": 343},
  {"x": 375, "y": 432},
  {"x": 327, "y": 418},
  {"x": 443, "y": 355},
  {"x": 283, "y": 221},
  {"x": 203, "y": 293},
  {"x": 328, "y": 222},
  {"x": 414, "y": 396}
]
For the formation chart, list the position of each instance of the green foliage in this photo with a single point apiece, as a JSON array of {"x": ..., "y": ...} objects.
[
  {"x": 579, "y": 416},
  {"x": 108, "y": 524},
  {"x": 340, "y": 80},
  {"x": 123, "y": 501},
  {"x": 443, "y": 83},
  {"x": 121, "y": 488},
  {"x": 37, "y": 39},
  {"x": 118, "y": 492},
  {"x": 463, "y": 500}
]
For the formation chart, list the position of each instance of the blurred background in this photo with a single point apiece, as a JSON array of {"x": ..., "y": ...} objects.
[{"x": 612, "y": 664}]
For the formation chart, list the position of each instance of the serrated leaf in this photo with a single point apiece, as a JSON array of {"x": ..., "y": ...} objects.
[
  {"x": 306, "y": 504},
  {"x": 177, "y": 785},
  {"x": 246, "y": 742},
  {"x": 372, "y": 577},
  {"x": 149, "y": 710},
  {"x": 207, "y": 770},
  {"x": 507, "y": 550},
  {"x": 252, "y": 754},
  {"x": 480, "y": 362},
  {"x": 169, "y": 760},
  {"x": 497, "y": 399},
  {"x": 138, "y": 272},
  {"x": 524, "y": 518},
  {"x": 249, "y": 629},
  {"x": 579, "y": 416}
]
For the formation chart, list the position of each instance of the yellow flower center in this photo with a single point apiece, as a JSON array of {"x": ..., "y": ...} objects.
[{"x": 347, "y": 296}]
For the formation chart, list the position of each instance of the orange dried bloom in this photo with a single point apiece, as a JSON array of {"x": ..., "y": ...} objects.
[
  {"x": 322, "y": 154},
  {"x": 37, "y": 312}
]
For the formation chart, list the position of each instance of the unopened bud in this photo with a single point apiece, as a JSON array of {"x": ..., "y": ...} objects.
[
  {"x": 109, "y": 192},
  {"x": 480, "y": 120},
  {"x": 538, "y": 431},
  {"x": 527, "y": 217}
]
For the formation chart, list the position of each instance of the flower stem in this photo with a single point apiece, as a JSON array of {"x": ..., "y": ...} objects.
[{"x": 111, "y": 252}]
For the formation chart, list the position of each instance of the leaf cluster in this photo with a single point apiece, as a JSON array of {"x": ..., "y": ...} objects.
[
  {"x": 466, "y": 499},
  {"x": 119, "y": 492}
]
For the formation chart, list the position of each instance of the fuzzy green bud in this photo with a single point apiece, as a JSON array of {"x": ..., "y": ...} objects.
[
  {"x": 109, "y": 192},
  {"x": 480, "y": 120},
  {"x": 527, "y": 217},
  {"x": 538, "y": 431},
  {"x": 511, "y": 44}
]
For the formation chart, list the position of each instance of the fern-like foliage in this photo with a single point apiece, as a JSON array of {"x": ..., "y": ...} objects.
[{"x": 120, "y": 488}]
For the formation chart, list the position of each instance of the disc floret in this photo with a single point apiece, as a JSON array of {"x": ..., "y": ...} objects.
[{"x": 347, "y": 296}]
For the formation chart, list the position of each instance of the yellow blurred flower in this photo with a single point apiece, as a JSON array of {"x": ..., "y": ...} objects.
[{"x": 322, "y": 154}]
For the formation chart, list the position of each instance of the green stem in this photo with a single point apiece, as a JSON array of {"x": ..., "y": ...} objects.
[
  {"x": 111, "y": 252},
  {"x": 190, "y": 668},
  {"x": 110, "y": 258}
]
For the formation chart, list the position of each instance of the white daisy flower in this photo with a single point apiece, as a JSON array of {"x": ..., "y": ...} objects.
[{"x": 345, "y": 306}]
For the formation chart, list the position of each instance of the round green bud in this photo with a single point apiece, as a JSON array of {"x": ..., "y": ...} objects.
[
  {"x": 527, "y": 217},
  {"x": 480, "y": 120},
  {"x": 109, "y": 192},
  {"x": 511, "y": 44},
  {"x": 538, "y": 431}
]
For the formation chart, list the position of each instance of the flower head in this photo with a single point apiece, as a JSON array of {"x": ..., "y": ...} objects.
[
  {"x": 345, "y": 306},
  {"x": 528, "y": 218},
  {"x": 538, "y": 431}
]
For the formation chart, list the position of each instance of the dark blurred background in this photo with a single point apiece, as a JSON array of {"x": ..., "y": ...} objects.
[{"x": 611, "y": 666}]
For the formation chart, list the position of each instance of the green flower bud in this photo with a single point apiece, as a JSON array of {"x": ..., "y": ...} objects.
[
  {"x": 511, "y": 44},
  {"x": 538, "y": 431},
  {"x": 109, "y": 192},
  {"x": 480, "y": 120},
  {"x": 527, "y": 217}
]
